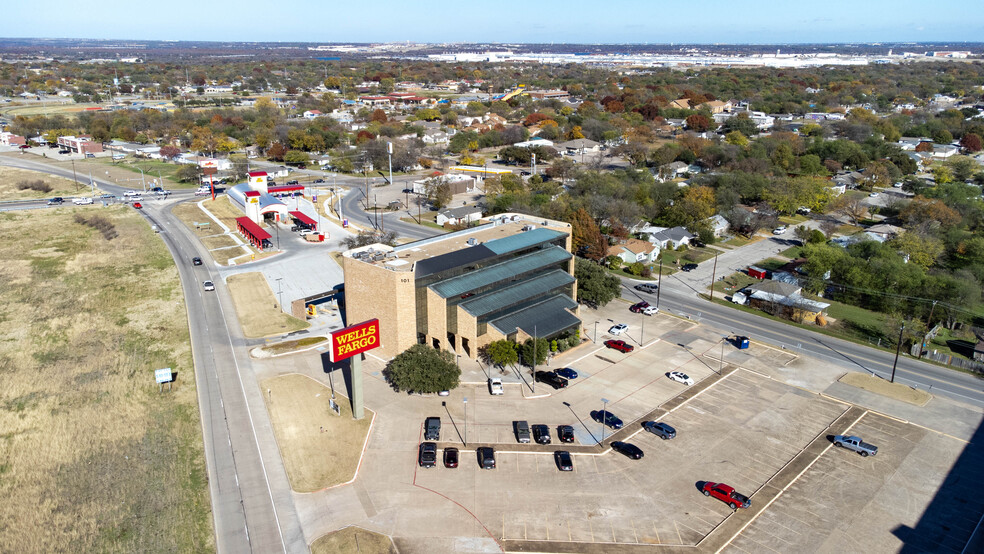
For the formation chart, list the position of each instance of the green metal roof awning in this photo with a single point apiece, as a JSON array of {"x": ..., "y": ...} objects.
[
  {"x": 456, "y": 286},
  {"x": 543, "y": 320},
  {"x": 523, "y": 240},
  {"x": 515, "y": 294}
]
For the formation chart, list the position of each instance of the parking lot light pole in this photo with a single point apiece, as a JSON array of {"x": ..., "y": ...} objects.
[
  {"x": 596, "y": 333},
  {"x": 464, "y": 441},
  {"x": 721, "y": 366},
  {"x": 604, "y": 412}
]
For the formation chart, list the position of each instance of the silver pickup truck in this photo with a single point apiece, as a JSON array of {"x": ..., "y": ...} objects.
[{"x": 855, "y": 444}]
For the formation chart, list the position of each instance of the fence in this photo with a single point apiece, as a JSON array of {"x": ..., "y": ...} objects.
[{"x": 947, "y": 359}]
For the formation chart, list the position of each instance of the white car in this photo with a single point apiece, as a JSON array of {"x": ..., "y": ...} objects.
[
  {"x": 650, "y": 310},
  {"x": 82, "y": 201},
  {"x": 680, "y": 377},
  {"x": 873, "y": 195},
  {"x": 618, "y": 329},
  {"x": 208, "y": 285},
  {"x": 495, "y": 386},
  {"x": 130, "y": 193},
  {"x": 779, "y": 230},
  {"x": 306, "y": 232}
]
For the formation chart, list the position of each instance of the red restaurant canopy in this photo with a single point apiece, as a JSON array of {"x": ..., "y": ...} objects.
[
  {"x": 304, "y": 219},
  {"x": 246, "y": 224}
]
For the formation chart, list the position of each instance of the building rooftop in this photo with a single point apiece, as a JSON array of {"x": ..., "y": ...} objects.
[{"x": 484, "y": 277}]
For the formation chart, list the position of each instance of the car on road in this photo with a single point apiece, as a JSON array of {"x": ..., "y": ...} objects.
[
  {"x": 130, "y": 193},
  {"x": 873, "y": 195},
  {"x": 541, "y": 434},
  {"x": 680, "y": 377},
  {"x": 564, "y": 460},
  {"x": 56, "y": 201},
  {"x": 688, "y": 267},
  {"x": 550, "y": 378},
  {"x": 618, "y": 329},
  {"x": 637, "y": 308},
  {"x": 726, "y": 494},
  {"x": 486, "y": 457},
  {"x": 292, "y": 182},
  {"x": 855, "y": 444},
  {"x": 107, "y": 196},
  {"x": 427, "y": 456},
  {"x": 565, "y": 433},
  {"x": 646, "y": 287},
  {"x": 607, "y": 418},
  {"x": 659, "y": 429},
  {"x": 450, "y": 457},
  {"x": 566, "y": 373},
  {"x": 432, "y": 429},
  {"x": 628, "y": 449},
  {"x": 619, "y": 345},
  {"x": 196, "y": 261},
  {"x": 208, "y": 285},
  {"x": 319, "y": 180},
  {"x": 138, "y": 205},
  {"x": 83, "y": 201},
  {"x": 779, "y": 230},
  {"x": 495, "y": 386}
]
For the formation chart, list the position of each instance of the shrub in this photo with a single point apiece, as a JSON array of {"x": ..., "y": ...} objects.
[{"x": 37, "y": 185}]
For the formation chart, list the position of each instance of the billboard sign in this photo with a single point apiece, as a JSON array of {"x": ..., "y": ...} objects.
[{"x": 354, "y": 340}]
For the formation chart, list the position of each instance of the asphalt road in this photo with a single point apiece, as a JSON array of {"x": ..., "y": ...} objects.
[{"x": 680, "y": 299}]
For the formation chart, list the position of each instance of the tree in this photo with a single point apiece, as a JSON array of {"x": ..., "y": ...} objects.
[
  {"x": 696, "y": 205},
  {"x": 595, "y": 285},
  {"x": 531, "y": 349},
  {"x": 852, "y": 206},
  {"x": 378, "y": 116},
  {"x": 296, "y": 157},
  {"x": 736, "y": 138},
  {"x": 422, "y": 369},
  {"x": 365, "y": 238},
  {"x": 502, "y": 352},
  {"x": 438, "y": 191},
  {"x": 169, "y": 152},
  {"x": 187, "y": 173},
  {"x": 276, "y": 152},
  {"x": 698, "y": 123},
  {"x": 971, "y": 142},
  {"x": 584, "y": 230},
  {"x": 942, "y": 175}
]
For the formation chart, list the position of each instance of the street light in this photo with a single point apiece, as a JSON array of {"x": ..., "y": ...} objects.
[
  {"x": 280, "y": 292},
  {"x": 604, "y": 413},
  {"x": 464, "y": 442}
]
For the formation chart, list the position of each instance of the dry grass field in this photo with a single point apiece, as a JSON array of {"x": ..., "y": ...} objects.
[
  {"x": 352, "y": 540},
  {"x": 880, "y": 386},
  {"x": 10, "y": 177},
  {"x": 92, "y": 457},
  {"x": 256, "y": 306},
  {"x": 319, "y": 449}
]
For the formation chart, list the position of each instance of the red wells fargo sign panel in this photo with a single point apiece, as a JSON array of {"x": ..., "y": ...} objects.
[{"x": 354, "y": 340}]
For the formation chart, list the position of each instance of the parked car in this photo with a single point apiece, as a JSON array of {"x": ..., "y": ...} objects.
[
  {"x": 565, "y": 433},
  {"x": 803, "y": 210},
  {"x": 305, "y": 232},
  {"x": 432, "y": 429},
  {"x": 607, "y": 418},
  {"x": 618, "y": 329},
  {"x": 637, "y": 308},
  {"x": 450, "y": 457},
  {"x": 138, "y": 205},
  {"x": 495, "y": 386},
  {"x": 522, "y": 430},
  {"x": 680, "y": 377},
  {"x": 550, "y": 378},
  {"x": 564, "y": 460},
  {"x": 726, "y": 494},
  {"x": 56, "y": 201},
  {"x": 650, "y": 310},
  {"x": 541, "y": 434},
  {"x": 688, "y": 267},
  {"x": 486, "y": 457},
  {"x": 779, "y": 230},
  {"x": 855, "y": 444},
  {"x": 427, "y": 456},
  {"x": 647, "y": 287},
  {"x": 295, "y": 228},
  {"x": 566, "y": 373},
  {"x": 208, "y": 285},
  {"x": 660, "y": 429},
  {"x": 619, "y": 345},
  {"x": 628, "y": 449},
  {"x": 196, "y": 261}
]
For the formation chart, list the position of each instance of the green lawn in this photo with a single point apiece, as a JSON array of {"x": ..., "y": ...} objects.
[
  {"x": 793, "y": 252},
  {"x": 736, "y": 241},
  {"x": 152, "y": 169},
  {"x": 771, "y": 264},
  {"x": 693, "y": 255}
]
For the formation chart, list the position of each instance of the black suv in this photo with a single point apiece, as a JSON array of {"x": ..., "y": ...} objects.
[
  {"x": 551, "y": 378},
  {"x": 486, "y": 457},
  {"x": 56, "y": 201},
  {"x": 196, "y": 261},
  {"x": 428, "y": 455},
  {"x": 607, "y": 418},
  {"x": 689, "y": 267},
  {"x": 646, "y": 287},
  {"x": 432, "y": 429},
  {"x": 541, "y": 434}
]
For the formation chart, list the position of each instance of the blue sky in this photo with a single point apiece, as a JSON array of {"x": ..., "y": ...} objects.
[{"x": 579, "y": 21}]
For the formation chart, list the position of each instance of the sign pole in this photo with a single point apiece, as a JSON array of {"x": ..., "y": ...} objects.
[{"x": 358, "y": 407}]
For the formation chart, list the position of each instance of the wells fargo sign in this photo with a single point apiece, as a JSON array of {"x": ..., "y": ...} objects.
[{"x": 354, "y": 340}]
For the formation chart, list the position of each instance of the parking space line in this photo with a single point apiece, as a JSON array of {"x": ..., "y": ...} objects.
[
  {"x": 612, "y": 527},
  {"x": 591, "y": 529},
  {"x": 570, "y": 537},
  {"x": 634, "y": 532},
  {"x": 679, "y": 536},
  {"x": 655, "y": 530}
]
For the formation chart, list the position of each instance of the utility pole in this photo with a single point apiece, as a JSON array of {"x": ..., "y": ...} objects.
[
  {"x": 929, "y": 322},
  {"x": 659, "y": 282},
  {"x": 897, "y": 348},
  {"x": 714, "y": 275}
]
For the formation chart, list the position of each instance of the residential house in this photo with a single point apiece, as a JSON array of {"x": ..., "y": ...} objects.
[
  {"x": 534, "y": 142},
  {"x": 719, "y": 225},
  {"x": 884, "y": 231},
  {"x": 580, "y": 147},
  {"x": 717, "y": 106},
  {"x": 458, "y": 216},
  {"x": 634, "y": 250},
  {"x": 459, "y": 183},
  {"x": 674, "y": 237},
  {"x": 681, "y": 104},
  {"x": 783, "y": 299},
  {"x": 436, "y": 136},
  {"x": 671, "y": 171},
  {"x": 311, "y": 114}
]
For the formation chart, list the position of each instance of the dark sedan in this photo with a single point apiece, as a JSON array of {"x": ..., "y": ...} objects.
[
  {"x": 565, "y": 433},
  {"x": 567, "y": 373},
  {"x": 450, "y": 457},
  {"x": 628, "y": 449},
  {"x": 196, "y": 261},
  {"x": 541, "y": 434},
  {"x": 607, "y": 418},
  {"x": 428, "y": 454},
  {"x": 564, "y": 460}
]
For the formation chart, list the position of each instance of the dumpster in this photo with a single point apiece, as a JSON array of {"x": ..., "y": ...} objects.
[
  {"x": 741, "y": 342},
  {"x": 756, "y": 272}
]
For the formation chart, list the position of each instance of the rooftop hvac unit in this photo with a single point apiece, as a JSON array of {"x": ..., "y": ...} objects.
[{"x": 472, "y": 241}]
